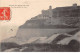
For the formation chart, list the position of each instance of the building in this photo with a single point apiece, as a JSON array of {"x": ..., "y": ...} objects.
[
  {"x": 69, "y": 15},
  {"x": 60, "y": 15}
]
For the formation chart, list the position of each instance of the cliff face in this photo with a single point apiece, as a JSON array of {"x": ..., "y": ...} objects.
[
  {"x": 58, "y": 20},
  {"x": 65, "y": 17}
]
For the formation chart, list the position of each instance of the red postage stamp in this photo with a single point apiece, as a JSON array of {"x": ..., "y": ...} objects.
[{"x": 4, "y": 13}]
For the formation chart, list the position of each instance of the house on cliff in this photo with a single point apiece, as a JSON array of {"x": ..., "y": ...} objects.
[{"x": 69, "y": 16}]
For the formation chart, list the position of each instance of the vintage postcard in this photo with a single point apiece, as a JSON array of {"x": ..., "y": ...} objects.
[{"x": 39, "y": 25}]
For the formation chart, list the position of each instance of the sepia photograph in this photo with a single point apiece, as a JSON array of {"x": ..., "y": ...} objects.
[{"x": 40, "y": 26}]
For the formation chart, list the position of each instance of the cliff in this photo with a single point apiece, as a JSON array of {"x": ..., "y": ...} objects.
[
  {"x": 51, "y": 21},
  {"x": 60, "y": 17}
]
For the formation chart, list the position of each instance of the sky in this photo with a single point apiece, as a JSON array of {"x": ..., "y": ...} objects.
[{"x": 20, "y": 15}]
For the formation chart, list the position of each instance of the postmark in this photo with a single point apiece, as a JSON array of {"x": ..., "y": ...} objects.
[{"x": 4, "y": 13}]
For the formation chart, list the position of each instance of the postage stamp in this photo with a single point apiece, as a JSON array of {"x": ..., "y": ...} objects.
[{"x": 4, "y": 13}]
